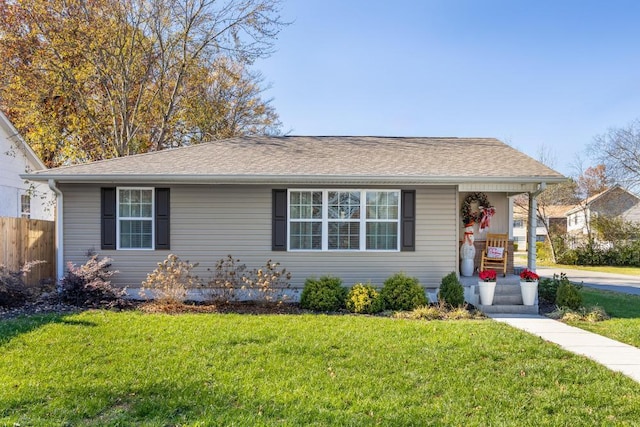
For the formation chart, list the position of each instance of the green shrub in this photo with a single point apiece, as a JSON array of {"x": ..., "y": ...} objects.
[
  {"x": 515, "y": 247},
  {"x": 401, "y": 292},
  {"x": 548, "y": 288},
  {"x": 324, "y": 294},
  {"x": 543, "y": 251},
  {"x": 568, "y": 257},
  {"x": 451, "y": 291},
  {"x": 364, "y": 299},
  {"x": 568, "y": 296}
]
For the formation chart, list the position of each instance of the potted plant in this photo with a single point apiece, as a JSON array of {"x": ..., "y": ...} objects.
[
  {"x": 487, "y": 286},
  {"x": 529, "y": 286}
]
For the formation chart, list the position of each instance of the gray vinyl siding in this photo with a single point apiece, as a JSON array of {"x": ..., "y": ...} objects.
[{"x": 210, "y": 222}]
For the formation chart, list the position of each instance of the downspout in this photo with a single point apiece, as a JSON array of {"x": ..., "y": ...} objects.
[
  {"x": 532, "y": 225},
  {"x": 59, "y": 235}
]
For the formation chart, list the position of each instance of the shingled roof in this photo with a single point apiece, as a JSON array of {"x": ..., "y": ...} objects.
[{"x": 319, "y": 159}]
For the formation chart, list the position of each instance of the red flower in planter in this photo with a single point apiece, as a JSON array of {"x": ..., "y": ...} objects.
[
  {"x": 528, "y": 276},
  {"x": 487, "y": 275}
]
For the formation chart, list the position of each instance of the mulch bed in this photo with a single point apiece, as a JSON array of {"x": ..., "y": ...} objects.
[
  {"x": 239, "y": 307},
  {"x": 52, "y": 305}
]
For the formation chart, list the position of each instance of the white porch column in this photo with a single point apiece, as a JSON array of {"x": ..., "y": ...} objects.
[
  {"x": 531, "y": 226},
  {"x": 531, "y": 232}
]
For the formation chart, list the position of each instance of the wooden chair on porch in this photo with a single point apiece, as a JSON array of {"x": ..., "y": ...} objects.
[{"x": 494, "y": 255}]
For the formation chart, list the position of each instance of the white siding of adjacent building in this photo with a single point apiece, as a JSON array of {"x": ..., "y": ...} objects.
[
  {"x": 632, "y": 214},
  {"x": 210, "y": 222},
  {"x": 13, "y": 162},
  {"x": 576, "y": 222}
]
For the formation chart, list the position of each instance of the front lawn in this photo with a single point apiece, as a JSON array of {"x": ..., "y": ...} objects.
[
  {"x": 631, "y": 271},
  {"x": 624, "y": 325},
  {"x": 106, "y": 368}
]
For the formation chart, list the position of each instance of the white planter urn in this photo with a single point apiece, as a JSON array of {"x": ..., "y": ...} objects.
[
  {"x": 487, "y": 290},
  {"x": 529, "y": 292}
]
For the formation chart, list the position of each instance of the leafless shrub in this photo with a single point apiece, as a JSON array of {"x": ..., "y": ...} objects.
[{"x": 171, "y": 281}]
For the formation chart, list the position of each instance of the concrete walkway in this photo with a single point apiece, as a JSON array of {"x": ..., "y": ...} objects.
[{"x": 612, "y": 354}]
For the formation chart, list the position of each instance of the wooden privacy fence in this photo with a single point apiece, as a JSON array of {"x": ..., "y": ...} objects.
[{"x": 25, "y": 240}]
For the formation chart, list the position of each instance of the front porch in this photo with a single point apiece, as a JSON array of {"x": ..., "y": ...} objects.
[{"x": 507, "y": 298}]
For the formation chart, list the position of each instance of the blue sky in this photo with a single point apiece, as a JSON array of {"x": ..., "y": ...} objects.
[{"x": 531, "y": 73}]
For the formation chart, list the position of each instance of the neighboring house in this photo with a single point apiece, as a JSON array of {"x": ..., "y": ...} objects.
[
  {"x": 360, "y": 208},
  {"x": 615, "y": 202},
  {"x": 20, "y": 198},
  {"x": 554, "y": 217}
]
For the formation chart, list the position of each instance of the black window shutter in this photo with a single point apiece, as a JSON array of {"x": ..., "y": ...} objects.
[
  {"x": 279, "y": 220},
  {"x": 162, "y": 218},
  {"x": 408, "y": 220},
  {"x": 108, "y": 218}
]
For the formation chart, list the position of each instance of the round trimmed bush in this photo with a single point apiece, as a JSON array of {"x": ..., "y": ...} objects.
[
  {"x": 451, "y": 291},
  {"x": 364, "y": 299},
  {"x": 401, "y": 292},
  {"x": 324, "y": 294},
  {"x": 568, "y": 296}
]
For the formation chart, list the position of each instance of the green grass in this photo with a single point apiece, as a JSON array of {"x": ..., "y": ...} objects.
[
  {"x": 521, "y": 258},
  {"x": 630, "y": 271},
  {"x": 616, "y": 304},
  {"x": 624, "y": 325},
  {"x": 105, "y": 368}
]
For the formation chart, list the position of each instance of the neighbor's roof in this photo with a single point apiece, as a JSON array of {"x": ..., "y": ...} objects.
[
  {"x": 589, "y": 200},
  {"x": 557, "y": 211},
  {"x": 308, "y": 159},
  {"x": 550, "y": 211}
]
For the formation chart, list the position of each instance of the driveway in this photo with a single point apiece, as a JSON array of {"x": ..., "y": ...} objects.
[{"x": 606, "y": 281}]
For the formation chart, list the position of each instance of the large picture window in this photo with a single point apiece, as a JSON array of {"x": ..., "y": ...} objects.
[
  {"x": 344, "y": 220},
  {"x": 135, "y": 218}
]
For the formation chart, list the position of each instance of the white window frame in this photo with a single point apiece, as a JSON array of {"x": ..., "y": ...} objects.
[
  {"x": 23, "y": 213},
  {"x": 325, "y": 220},
  {"x": 120, "y": 218}
]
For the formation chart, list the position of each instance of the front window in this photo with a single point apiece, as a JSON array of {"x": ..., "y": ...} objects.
[
  {"x": 135, "y": 218},
  {"x": 382, "y": 220},
  {"x": 349, "y": 220},
  {"x": 518, "y": 223},
  {"x": 343, "y": 208},
  {"x": 305, "y": 213}
]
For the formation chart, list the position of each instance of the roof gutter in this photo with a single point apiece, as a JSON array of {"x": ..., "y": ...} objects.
[
  {"x": 280, "y": 179},
  {"x": 532, "y": 225},
  {"x": 59, "y": 230}
]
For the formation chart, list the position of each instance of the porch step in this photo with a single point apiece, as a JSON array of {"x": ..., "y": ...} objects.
[
  {"x": 507, "y": 295},
  {"x": 509, "y": 308},
  {"x": 507, "y": 299}
]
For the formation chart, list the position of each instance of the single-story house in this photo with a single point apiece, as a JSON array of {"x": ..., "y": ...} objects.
[{"x": 360, "y": 208}]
